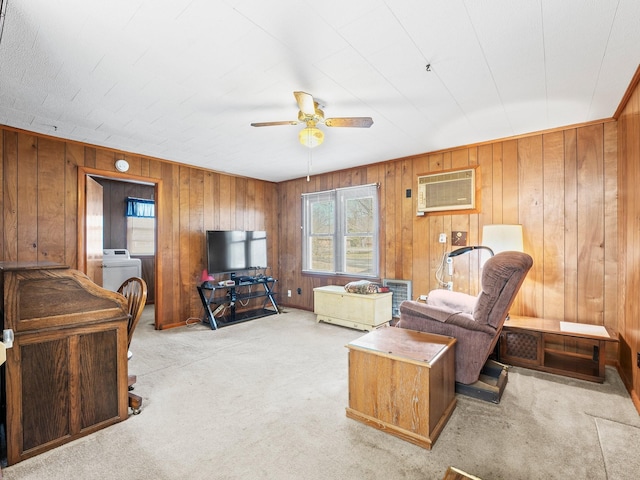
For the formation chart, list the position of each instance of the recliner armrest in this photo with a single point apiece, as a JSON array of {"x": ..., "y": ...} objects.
[
  {"x": 456, "y": 301},
  {"x": 418, "y": 310},
  {"x": 424, "y": 310}
]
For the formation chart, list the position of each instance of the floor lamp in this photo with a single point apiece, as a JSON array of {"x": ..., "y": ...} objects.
[
  {"x": 495, "y": 239},
  {"x": 502, "y": 238}
]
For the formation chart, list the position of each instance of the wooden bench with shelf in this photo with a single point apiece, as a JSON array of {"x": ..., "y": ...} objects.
[{"x": 564, "y": 348}]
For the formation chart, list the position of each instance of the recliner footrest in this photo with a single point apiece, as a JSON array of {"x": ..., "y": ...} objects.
[{"x": 491, "y": 384}]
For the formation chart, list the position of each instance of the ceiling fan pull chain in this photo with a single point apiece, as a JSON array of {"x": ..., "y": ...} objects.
[{"x": 309, "y": 165}]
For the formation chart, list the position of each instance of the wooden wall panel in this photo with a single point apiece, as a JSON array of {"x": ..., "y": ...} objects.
[
  {"x": 73, "y": 159},
  {"x": 628, "y": 134},
  {"x": 51, "y": 201},
  {"x": 39, "y": 204},
  {"x": 590, "y": 172},
  {"x": 422, "y": 257},
  {"x": 27, "y": 203},
  {"x": 495, "y": 181},
  {"x": 553, "y": 222},
  {"x": 611, "y": 244},
  {"x": 560, "y": 184},
  {"x": 538, "y": 180},
  {"x": 10, "y": 197},
  {"x": 570, "y": 226},
  {"x": 406, "y": 215}
]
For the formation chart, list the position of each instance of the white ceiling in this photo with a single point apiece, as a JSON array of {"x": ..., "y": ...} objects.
[{"x": 183, "y": 79}]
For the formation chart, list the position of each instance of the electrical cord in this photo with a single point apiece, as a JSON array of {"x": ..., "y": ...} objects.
[
  {"x": 247, "y": 301},
  {"x": 441, "y": 268}
]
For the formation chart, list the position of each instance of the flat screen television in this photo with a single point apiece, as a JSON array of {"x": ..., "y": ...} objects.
[{"x": 231, "y": 251}]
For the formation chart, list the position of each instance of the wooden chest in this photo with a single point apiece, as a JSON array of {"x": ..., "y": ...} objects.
[
  {"x": 402, "y": 382},
  {"x": 333, "y": 304}
]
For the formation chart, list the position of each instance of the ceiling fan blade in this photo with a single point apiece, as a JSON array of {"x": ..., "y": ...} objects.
[
  {"x": 271, "y": 124},
  {"x": 361, "y": 122},
  {"x": 305, "y": 103}
]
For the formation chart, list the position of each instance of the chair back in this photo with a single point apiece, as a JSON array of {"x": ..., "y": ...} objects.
[
  {"x": 134, "y": 289},
  {"x": 502, "y": 277}
]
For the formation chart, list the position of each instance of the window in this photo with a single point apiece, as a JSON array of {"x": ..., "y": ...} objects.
[
  {"x": 340, "y": 231},
  {"x": 141, "y": 226}
]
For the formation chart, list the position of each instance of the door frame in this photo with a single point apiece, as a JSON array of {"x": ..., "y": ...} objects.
[{"x": 83, "y": 173}]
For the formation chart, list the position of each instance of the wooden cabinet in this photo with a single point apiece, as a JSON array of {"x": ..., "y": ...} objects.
[
  {"x": 402, "y": 382},
  {"x": 333, "y": 304},
  {"x": 66, "y": 373},
  {"x": 564, "y": 348}
]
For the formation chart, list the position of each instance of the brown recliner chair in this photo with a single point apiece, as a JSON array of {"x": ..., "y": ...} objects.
[{"x": 475, "y": 322}]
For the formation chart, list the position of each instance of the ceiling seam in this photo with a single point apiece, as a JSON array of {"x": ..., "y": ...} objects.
[
  {"x": 544, "y": 62},
  {"x": 484, "y": 56},
  {"x": 3, "y": 14},
  {"x": 604, "y": 52}
]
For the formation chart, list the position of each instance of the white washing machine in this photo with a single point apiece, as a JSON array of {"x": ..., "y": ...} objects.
[{"x": 117, "y": 266}]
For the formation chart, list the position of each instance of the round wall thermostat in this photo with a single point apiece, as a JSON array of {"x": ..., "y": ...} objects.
[{"x": 122, "y": 165}]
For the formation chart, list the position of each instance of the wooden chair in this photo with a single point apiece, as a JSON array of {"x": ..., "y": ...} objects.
[{"x": 134, "y": 289}]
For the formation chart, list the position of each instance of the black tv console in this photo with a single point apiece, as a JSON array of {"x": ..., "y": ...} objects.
[{"x": 225, "y": 299}]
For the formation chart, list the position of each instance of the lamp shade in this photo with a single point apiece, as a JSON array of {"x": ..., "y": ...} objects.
[
  {"x": 503, "y": 238},
  {"x": 311, "y": 137}
]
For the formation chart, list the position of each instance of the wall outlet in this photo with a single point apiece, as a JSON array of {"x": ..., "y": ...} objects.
[
  {"x": 449, "y": 285},
  {"x": 442, "y": 238},
  {"x": 423, "y": 298},
  {"x": 288, "y": 293}
]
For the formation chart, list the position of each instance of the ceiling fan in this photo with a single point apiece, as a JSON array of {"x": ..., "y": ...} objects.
[{"x": 311, "y": 115}]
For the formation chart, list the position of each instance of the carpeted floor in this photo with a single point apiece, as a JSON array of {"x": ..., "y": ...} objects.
[{"x": 266, "y": 400}]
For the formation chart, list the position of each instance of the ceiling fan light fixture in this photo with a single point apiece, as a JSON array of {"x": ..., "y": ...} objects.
[{"x": 311, "y": 137}]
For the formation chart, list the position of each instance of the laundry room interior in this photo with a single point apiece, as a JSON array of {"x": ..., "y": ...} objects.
[{"x": 122, "y": 258}]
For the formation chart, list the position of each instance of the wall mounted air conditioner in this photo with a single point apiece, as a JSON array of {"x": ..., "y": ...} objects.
[
  {"x": 452, "y": 190},
  {"x": 401, "y": 290}
]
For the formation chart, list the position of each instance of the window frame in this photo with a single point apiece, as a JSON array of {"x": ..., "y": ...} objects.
[
  {"x": 140, "y": 226},
  {"x": 338, "y": 230}
]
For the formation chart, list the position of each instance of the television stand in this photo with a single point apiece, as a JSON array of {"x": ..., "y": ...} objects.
[{"x": 225, "y": 299}]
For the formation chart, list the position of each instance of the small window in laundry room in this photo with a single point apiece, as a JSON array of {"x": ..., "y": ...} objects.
[{"x": 141, "y": 226}]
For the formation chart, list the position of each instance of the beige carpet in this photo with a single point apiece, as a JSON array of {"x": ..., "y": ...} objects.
[{"x": 266, "y": 400}]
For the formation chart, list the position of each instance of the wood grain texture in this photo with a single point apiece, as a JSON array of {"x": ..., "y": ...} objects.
[
  {"x": 40, "y": 204},
  {"x": 48, "y": 376},
  {"x": 556, "y": 184},
  {"x": 98, "y": 368},
  {"x": 66, "y": 375},
  {"x": 628, "y": 176},
  {"x": 519, "y": 185},
  {"x": 402, "y": 382}
]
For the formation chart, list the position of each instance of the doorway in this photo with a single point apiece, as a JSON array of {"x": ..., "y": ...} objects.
[{"x": 89, "y": 176}]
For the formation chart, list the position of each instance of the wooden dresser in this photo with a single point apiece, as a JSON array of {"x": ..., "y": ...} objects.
[{"x": 66, "y": 373}]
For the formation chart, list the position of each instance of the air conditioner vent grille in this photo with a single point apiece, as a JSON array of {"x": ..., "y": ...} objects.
[
  {"x": 401, "y": 290},
  {"x": 447, "y": 191},
  {"x": 446, "y": 177}
]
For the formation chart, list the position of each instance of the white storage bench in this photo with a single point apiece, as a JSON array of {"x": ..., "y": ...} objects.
[{"x": 332, "y": 304}]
